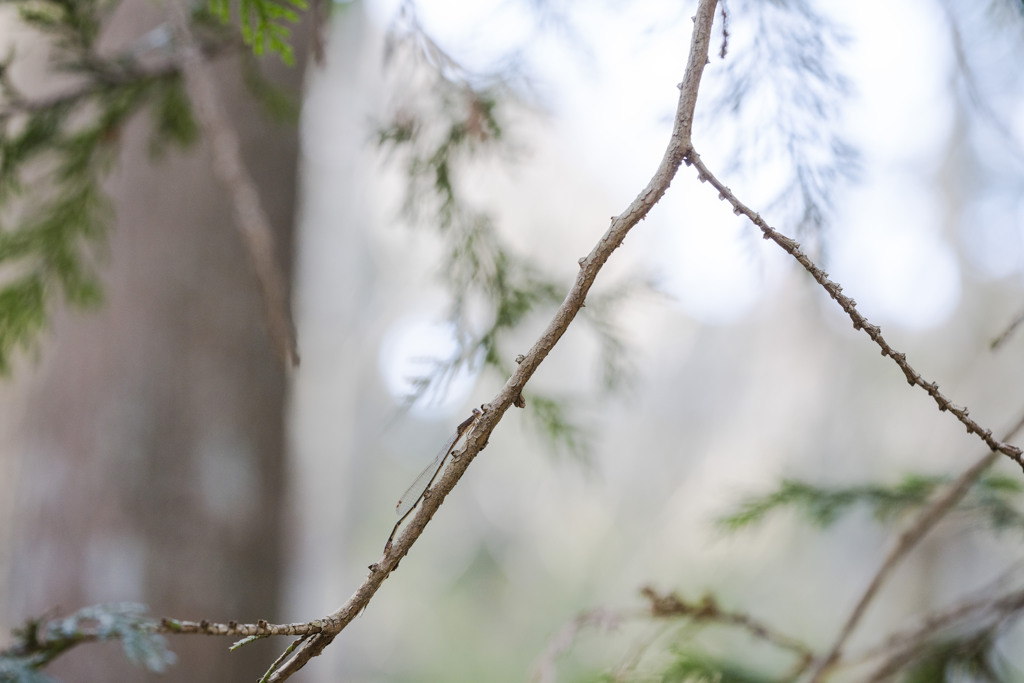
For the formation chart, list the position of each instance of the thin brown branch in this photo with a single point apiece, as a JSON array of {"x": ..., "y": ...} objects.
[
  {"x": 968, "y": 608},
  {"x": 665, "y": 606},
  {"x": 972, "y": 87},
  {"x": 991, "y": 611},
  {"x": 671, "y": 605},
  {"x": 945, "y": 501},
  {"x": 792, "y": 247},
  {"x": 545, "y": 670},
  {"x": 1007, "y": 331},
  {"x": 318, "y": 35},
  {"x": 910, "y": 537},
  {"x": 233, "y": 628},
  {"x": 45, "y": 638},
  {"x": 476, "y": 439},
  {"x": 250, "y": 218}
]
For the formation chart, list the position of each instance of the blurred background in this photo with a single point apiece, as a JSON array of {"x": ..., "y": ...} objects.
[{"x": 154, "y": 451}]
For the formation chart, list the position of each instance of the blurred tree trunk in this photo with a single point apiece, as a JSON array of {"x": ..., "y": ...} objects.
[{"x": 143, "y": 450}]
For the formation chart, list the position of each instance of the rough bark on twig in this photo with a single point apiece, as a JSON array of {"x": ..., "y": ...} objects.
[
  {"x": 835, "y": 290},
  {"x": 679, "y": 145}
]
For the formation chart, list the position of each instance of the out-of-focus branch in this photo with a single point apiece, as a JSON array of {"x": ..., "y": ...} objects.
[
  {"x": 1007, "y": 331},
  {"x": 671, "y": 605},
  {"x": 910, "y": 537},
  {"x": 250, "y": 218},
  {"x": 926, "y": 520},
  {"x": 973, "y": 88},
  {"x": 946, "y": 500},
  {"x": 792, "y": 247},
  {"x": 666, "y": 606},
  {"x": 990, "y": 611},
  {"x": 545, "y": 669},
  {"x": 590, "y": 265}
]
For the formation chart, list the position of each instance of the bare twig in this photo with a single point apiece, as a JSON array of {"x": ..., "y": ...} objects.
[
  {"x": 927, "y": 626},
  {"x": 906, "y": 541},
  {"x": 233, "y": 628},
  {"x": 671, "y": 605},
  {"x": 792, "y": 247},
  {"x": 284, "y": 655},
  {"x": 1009, "y": 330},
  {"x": 590, "y": 265},
  {"x": 973, "y": 88},
  {"x": 952, "y": 494},
  {"x": 250, "y": 218},
  {"x": 926, "y": 520},
  {"x": 545, "y": 669},
  {"x": 320, "y": 10},
  {"x": 991, "y": 611},
  {"x": 725, "y": 30}
]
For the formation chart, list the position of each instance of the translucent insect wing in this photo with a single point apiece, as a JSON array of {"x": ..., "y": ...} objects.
[{"x": 415, "y": 491}]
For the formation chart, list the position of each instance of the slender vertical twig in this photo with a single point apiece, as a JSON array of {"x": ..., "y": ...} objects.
[{"x": 250, "y": 218}]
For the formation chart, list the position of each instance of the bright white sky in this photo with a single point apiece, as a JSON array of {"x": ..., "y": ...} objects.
[{"x": 888, "y": 248}]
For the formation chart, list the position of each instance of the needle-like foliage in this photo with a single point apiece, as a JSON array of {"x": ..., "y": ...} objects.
[
  {"x": 783, "y": 94},
  {"x": 695, "y": 667},
  {"x": 53, "y": 155},
  {"x": 994, "y": 499},
  {"x": 56, "y": 151},
  {"x": 264, "y": 24},
  {"x": 37, "y": 643},
  {"x": 445, "y": 121}
]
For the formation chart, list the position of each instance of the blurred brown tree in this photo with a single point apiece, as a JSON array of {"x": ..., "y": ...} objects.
[{"x": 142, "y": 449}]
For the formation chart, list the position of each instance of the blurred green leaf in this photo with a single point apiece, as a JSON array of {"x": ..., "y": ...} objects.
[
  {"x": 823, "y": 506},
  {"x": 972, "y": 658},
  {"x": 264, "y": 23},
  {"x": 993, "y": 499},
  {"x": 173, "y": 119},
  {"x": 437, "y": 134},
  {"x": 691, "y": 667},
  {"x": 281, "y": 105},
  {"x": 54, "y": 154},
  {"x": 37, "y": 643},
  {"x": 22, "y": 316},
  {"x": 549, "y": 416}
]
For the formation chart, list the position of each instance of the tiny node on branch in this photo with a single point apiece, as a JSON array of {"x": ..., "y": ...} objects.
[
  {"x": 849, "y": 305},
  {"x": 678, "y": 147}
]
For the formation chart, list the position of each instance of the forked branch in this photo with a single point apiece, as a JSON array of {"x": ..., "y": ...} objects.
[
  {"x": 984, "y": 614},
  {"x": 678, "y": 147},
  {"x": 952, "y": 494},
  {"x": 945, "y": 501}
]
